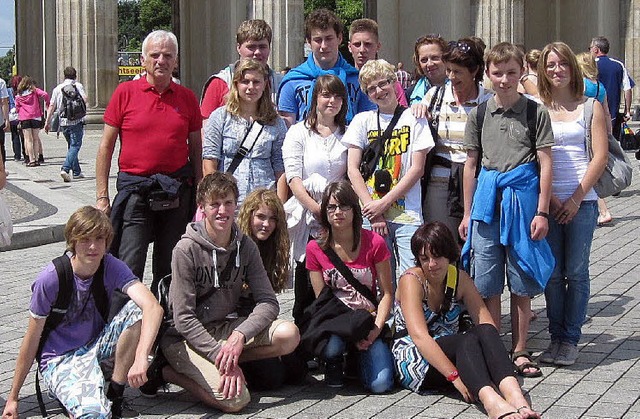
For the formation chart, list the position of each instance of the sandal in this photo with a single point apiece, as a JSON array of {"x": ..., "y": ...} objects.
[
  {"x": 504, "y": 415},
  {"x": 530, "y": 364},
  {"x": 534, "y": 415},
  {"x": 604, "y": 218}
]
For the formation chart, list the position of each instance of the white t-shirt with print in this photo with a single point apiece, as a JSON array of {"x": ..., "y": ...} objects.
[{"x": 409, "y": 136}]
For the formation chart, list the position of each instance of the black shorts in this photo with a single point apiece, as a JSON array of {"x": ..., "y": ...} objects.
[{"x": 31, "y": 123}]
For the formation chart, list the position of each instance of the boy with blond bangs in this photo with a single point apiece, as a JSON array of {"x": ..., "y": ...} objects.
[
  {"x": 71, "y": 354},
  {"x": 507, "y": 207}
]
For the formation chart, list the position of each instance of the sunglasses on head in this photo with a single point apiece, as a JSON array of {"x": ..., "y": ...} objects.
[{"x": 461, "y": 46}]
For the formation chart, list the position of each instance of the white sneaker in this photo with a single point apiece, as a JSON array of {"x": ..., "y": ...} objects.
[
  {"x": 65, "y": 176},
  {"x": 551, "y": 353},
  {"x": 567, "y": 354},
  {"x": 79, "y": 176}
]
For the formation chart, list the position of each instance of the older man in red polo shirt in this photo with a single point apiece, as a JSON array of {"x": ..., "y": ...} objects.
[{"x": 160, "y": 161}]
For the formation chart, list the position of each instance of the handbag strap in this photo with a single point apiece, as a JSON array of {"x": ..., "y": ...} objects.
[
  {"x": 244, "y": 149},
  {"x": 379, "y": 142},
  {"x": 348, "y": 275}
]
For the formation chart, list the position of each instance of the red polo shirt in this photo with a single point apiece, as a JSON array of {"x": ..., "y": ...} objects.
[{"x": 153, "y": 127}]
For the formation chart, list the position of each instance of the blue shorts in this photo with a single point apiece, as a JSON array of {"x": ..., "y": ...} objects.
[
  {"x": 76, "y": 378},
  {"x": 490, "y": 260}
]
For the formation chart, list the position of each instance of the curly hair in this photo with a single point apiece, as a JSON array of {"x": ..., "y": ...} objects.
[
  {"x": 274, "y": 251},
  {"x": 375, "y": 69},
  {"x": 322, "y": 19},
  {"x": 267, "y": 113}
]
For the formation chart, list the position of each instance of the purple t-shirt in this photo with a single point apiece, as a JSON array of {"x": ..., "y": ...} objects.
[{"x": 83, "y": 322}]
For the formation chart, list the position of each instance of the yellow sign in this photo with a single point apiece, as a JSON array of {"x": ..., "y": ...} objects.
[{"x": 129, "y": 70}]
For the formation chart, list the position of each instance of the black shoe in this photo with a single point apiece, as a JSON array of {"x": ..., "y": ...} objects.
[
  {"x": 120, "y": 408},
  {"x": 40, "y": 158},
  {"x": 333, "y": 375},
  {"x": 155, "y": 380}
]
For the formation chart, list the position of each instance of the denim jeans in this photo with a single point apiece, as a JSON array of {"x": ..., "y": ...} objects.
[
  {"x": 399, "y": 244},
  {"x": 568, "y": 290},
  {"x": 73, "y": 134},
  {"x": 376, "y": 363}
]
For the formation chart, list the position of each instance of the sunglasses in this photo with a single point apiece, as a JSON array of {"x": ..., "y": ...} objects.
[{"x": 461, "y": 46}]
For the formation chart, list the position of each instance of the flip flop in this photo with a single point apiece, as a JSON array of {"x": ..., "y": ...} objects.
[
  {"x": 532, "y": 416},
  {"x": 605, "y": 218},
  {"x": 504, "y": 415},
  {"x": 530, "y": 364}
]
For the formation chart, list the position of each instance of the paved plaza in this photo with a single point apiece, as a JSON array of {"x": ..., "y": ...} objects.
[{"x": 604, "y": 383}]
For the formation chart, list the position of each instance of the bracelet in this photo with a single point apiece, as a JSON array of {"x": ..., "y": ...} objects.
[
  {"x": 150, "y": 358},
  {"x": 102, "y": 197},
  {"x": 453, "y": 376},
  {"x": 574, "y": 202},
  {"x": 542, "y": 214}
]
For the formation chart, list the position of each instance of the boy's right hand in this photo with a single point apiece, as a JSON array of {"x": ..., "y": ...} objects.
[
  {"x": 10, "y": 410},
  {"x": 463, "y": 228}
]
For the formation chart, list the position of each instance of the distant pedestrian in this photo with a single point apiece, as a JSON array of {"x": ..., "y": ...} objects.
[
  {"x": 30, "y": 114},
  {"x": 4, "y": 116},
  {"x": 404, "y": 77},
  {"x": 17, "y": 138},
  {"x": 71, "y": 126}
]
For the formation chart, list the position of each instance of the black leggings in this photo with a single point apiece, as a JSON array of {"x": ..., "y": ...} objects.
[{"x": 479, "y": 356}]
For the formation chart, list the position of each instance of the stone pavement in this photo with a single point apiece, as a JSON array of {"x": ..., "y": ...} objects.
[{"x": 602, "y": 384}]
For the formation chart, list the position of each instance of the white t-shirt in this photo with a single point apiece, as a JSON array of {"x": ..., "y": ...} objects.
[
  {"x": 409, "y": 136},
  {"x": 305, "y": 152},
  {"x": 4, "y": 94},
  {"x": 56, "y": 97}
]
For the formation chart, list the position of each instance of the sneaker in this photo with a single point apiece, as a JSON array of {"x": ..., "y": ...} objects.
[
  {"x": 65, "y": 176},
  {"x": 551, "y": 353},
  {"x": 567, "y": 354},
  {"x": 120, "y": 408},
  {"x": 79, "y": 176},
  {"x": 333, "y": 374}
]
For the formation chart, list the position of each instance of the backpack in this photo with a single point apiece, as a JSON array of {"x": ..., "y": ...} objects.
[
  {"x": 617, "y": 174},
  {"x": 532, "y": 119},
  {"x": 73, "y": 105}
]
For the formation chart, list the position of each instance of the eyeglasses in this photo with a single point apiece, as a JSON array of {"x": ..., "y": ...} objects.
[
  {"x": 343, "y": 207},
  {"x": 372, "y": 89},
  {"x": 462, "y": 46},
  {"x": 562, "y": 65}
]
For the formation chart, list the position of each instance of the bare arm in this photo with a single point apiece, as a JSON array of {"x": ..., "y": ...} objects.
[
  {"x": 195, "y": 154},
  {"x": 5, "y": 113},
  {"x": 540, "y": 224},
  {"x": 103, "y": 166},
  {"x": 25, "y": 359},
  {"x": 468, "y": 293},
  {"x": 354, "y": 157},
  {"x": 317, "y": 282},
  {"x": 469, "y": 188},
  {"x": 151, "y": 319}
]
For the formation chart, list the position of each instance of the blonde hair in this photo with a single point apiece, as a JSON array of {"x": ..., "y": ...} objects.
[
  {"x": 532, "y": 58},
  {"x": 544, "y": 84},
  {"x": 87, "y": 222},
  {"x": 587, "y": 65},
  {"x": 267, "y": 113},
  {"x": 27, "y": 83},
  {"x": 375, "y": 69},
  {"x": 274, "y": 251}
]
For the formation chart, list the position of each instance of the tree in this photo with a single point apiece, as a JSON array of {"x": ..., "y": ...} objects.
[
  {"x": 129, "y": 30},
  {"x": 155, "y": 14},
  {"x": 6, "y": 65}
]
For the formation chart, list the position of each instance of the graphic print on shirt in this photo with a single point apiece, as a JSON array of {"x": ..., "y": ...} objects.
[
  {"x": 391, "y": 161},
  {"x": 345, "y": 291}
]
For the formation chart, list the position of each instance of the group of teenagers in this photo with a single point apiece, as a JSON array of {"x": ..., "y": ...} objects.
[{"x": 412, "y": 217}]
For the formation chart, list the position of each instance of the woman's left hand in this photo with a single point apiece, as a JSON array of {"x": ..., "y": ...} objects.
[
  {"x": 364, "y": 344},
  {"x": 567, "y": 211}
]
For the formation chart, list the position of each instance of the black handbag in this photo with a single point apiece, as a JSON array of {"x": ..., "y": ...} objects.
[{"x": 372, "y": 153}]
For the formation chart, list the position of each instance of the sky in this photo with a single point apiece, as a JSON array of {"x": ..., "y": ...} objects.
[{"x": 7, "y": 26}]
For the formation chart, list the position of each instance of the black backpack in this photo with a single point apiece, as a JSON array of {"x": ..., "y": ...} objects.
[{"x": 73, "y": 105}]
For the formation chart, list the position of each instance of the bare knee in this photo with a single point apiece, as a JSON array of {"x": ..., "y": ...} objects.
[{"x": 286, "y": 337}]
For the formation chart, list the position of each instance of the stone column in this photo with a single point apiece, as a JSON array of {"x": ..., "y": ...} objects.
[
  {"x": 207, "y": 38},
  {"x": 498, "y": 20},
  {"x": 87, "y": 32},
  {"x": 34, "y": 31},
  {"x": 286, "y": 18}
]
